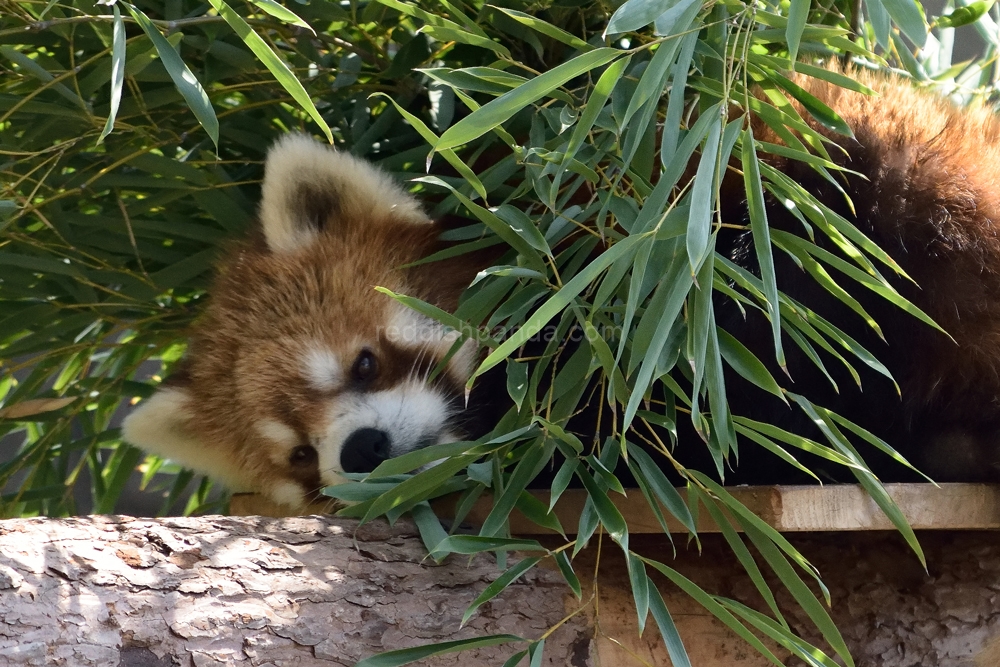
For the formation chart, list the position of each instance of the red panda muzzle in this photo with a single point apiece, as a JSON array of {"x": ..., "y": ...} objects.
[{"x": 365, "y": 449}]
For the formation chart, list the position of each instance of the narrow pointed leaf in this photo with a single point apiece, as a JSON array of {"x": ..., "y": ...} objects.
[
  {"x": 117, "y": 71},
  {"x": 640, "y": 588},
  {"x": 908, "y": 17},
  {"x": 672, "y": 638},
  {"x": 428, "y": 525},
  {"x": 499, "y": 584},
  {"x": 274, "y": 64},
  {"x": 187, "y": 83},
  {"x": 558, "y": 302},
  {"x": 566, "y": 568},
  {"x": 798, "y": 13},
  {"x": 761, "y": 238},
  {"x": 716, "y": 609},
  {"x": 282, "y": 13},
  {"x": 703, "y": 198},
  {"x": 497, "y": 111},
  {"x": 811, "y": 655},
  {"x": 474, "y": 544},
  {"x": 547, "y": 29},
  {"x": 431, "y": 138},
  {"x": 741, "y": 552},
  {"x": 408, "y": 655},
  {"x": 609, "y": 515},
  {"x": 598, "y": 99}
]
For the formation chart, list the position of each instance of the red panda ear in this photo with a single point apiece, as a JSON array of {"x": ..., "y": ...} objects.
[
  {"x": 309, "y": 187},
  {"x": 161, "y": 425}
]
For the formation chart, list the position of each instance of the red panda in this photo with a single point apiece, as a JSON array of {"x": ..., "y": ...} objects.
[{"x": 297, "y": 371}]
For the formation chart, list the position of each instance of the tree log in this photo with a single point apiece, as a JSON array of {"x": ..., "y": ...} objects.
[{"x": 310, "y": 591}]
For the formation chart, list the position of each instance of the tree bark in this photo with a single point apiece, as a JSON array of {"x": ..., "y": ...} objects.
[{"x": 310, "y": 591}]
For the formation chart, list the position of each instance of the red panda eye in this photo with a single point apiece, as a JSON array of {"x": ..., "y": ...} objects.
[
  {"x": 365, "y": 367},
  {"x": 303, "y": 455}
]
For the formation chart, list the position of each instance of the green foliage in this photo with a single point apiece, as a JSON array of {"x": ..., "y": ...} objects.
[{"x": 132, "y": 143}]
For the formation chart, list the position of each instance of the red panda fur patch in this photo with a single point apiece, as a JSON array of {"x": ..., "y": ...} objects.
[{"x": 929, "y": 195}]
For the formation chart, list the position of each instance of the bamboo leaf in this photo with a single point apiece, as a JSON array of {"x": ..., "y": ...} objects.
[
  {"x": 408, "y": 655},
  {"x": 474, "y": 544},
  {"x": 741, "y": 552},
  {"x": 499, "y": 584},
  {"x": 822, "y": 419},
  {"x": 188, "y": 85},
  {"x": 907, "y": 15},
  {"x": 798, "y": 14},
  {"x": 661, "y": 314},
  {"x": 606, "y": 511},
  {"x": 282, "y": 13},
  {"x": 428, "y": 525},
  {"x": 497, "y": 111},
  {"x": 557, "y": 302},
  {"x": 595, "y": 105},
  {"x": 274, "y": 64},
  {"x": 672, "y": 638},
  {"x": 538, "y": 454},
  {"x": 819, "y": 616},
  {"x": 417, "y": 487},
  {"x": 545, "y": 28},
  {"x": 640, "y": 588},
  {"x": 703, "y": 198},
  {"x": 535, "y": 510},
  {"x": 715, "y": 608},
  {"x": 635, "y": 14},
  {"x": 566, "y": 568},
  {"x": 425, "y": 455},
  {"x": 761, "y": 238},
  {"x": 117, "y": 71},
  {"x": 880, "y": 20}
]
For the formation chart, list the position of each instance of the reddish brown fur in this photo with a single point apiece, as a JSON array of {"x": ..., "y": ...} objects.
[
  {"x": 931, "y": 199},
  {"x": 935, "y": 188}
]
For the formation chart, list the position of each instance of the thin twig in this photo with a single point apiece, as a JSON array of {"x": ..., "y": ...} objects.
[{"x": 131, "y": 235}]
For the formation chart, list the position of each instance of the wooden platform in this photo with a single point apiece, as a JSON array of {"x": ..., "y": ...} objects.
[{"x": 842, "y": 507}]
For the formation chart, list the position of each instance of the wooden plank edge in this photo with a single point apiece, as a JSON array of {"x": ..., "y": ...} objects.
[{"x": 840, "y": 507}]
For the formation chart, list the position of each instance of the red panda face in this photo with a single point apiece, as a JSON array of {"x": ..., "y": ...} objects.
[{"x": 299, "y": 370}]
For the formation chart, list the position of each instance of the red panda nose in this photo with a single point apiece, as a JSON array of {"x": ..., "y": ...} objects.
[{"x": 364, "y": 450}]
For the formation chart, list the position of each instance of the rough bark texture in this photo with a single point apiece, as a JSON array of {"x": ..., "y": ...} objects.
[
  {"x": 894, "y": 614},
  {"x": 312, "y": 591},
  {"x": 115, "y": 591},
  {"x": 890, "y": 611}
]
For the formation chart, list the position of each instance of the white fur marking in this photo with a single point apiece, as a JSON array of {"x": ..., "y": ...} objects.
[
  {"x": 287, "y": 493},
  {"x": 322, "y": 369},
  {"x": 160, "y": 426},
  {"x": 415, "y": 330},
  {"x": 277, "y": 432},
  {"x": 408, "y": 327},
  {"x": 463, "y": 362}
]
